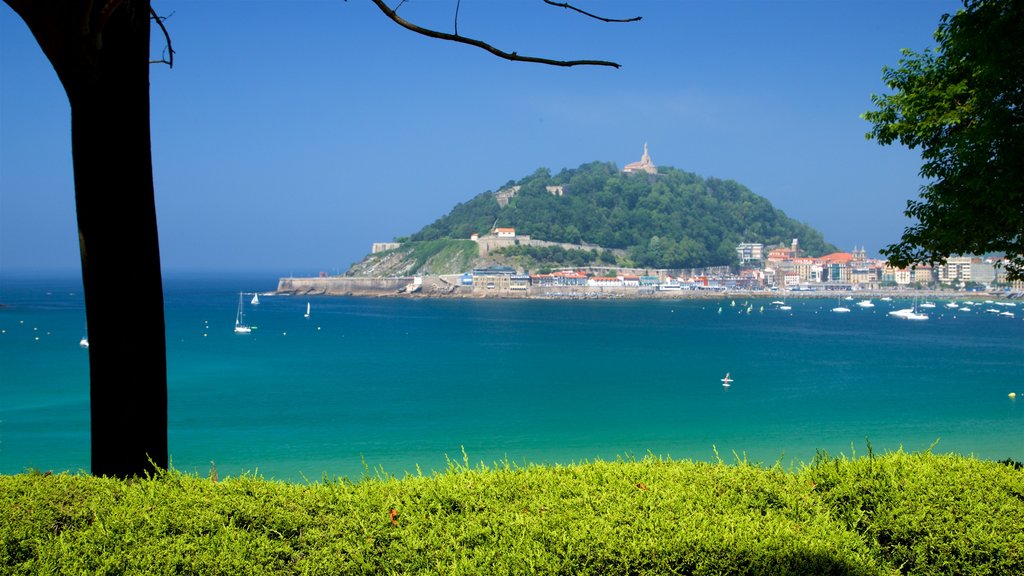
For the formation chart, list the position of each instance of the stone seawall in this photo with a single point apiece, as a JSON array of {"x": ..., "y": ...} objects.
[{"x": 335, "y": 286}]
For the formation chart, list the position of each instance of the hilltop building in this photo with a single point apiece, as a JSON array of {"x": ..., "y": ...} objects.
[{"x": 644, "y": 165}]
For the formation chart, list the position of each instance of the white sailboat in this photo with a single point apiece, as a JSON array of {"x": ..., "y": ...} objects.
[
  {"x": 839, "y": 307},
  {"x": 240, "y": 326},
  {"x": 255, "y": 299},
  {"x": 84, "y": 342},
  {"x": 307, "y": 311},
  {"x": 909, "y": 313},
  {"x": 726, "y": 382}
]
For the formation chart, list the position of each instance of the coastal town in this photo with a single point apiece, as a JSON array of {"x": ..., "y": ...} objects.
[
  {"x": 757, "y": 268},
  {"x": 762, "y": 269}
]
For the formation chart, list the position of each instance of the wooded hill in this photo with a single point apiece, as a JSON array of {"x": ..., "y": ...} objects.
[{"x": 673, "y": 219}]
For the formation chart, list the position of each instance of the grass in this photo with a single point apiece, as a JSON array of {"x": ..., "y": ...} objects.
[{"x": 890, "y": 514}]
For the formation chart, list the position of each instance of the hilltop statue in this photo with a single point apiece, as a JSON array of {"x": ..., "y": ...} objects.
[{"x": 644, "y": 165}]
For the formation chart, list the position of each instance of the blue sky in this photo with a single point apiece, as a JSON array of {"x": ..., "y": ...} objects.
[{"x": 289, "y": 136}]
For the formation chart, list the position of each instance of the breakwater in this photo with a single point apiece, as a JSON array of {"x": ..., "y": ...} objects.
[{"x": 341, "y": 286}]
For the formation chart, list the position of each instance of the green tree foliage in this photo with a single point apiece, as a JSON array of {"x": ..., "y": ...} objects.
[
  {"x": 962, "y": 104},
  {"x": 548, "y": 256},
  {"x": 672, "y": 220}
]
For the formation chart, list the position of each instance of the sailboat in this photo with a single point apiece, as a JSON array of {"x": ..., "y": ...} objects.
[
  {"x": 84, "y": 342},
  {"x": 839, "y": 307},
  {"x": 255, "y": 299},
  {"x": 240, "y": 326},
  {"x": 782, "y": 305},
  {"x": 307, "y": 311},
  {"x": 909, "y": 313},
  {"x": 726, "y": 382}
]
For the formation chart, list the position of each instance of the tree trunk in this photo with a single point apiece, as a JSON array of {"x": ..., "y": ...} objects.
[{"x": 101, "y": 54}]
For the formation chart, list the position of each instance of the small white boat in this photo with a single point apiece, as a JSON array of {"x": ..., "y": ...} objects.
[
  {"x": 866, "y": 304},
  {"x": 84, "y": 342},
  {"x": 886, "y": 299},
  {"x": 840, "y": 309},
  {"x": 965, "y": 308},
  {"x": 726, "y": 382},
  {"x": 255, "y": 299},
  {"x": 240, "y": 326},
  {"x": 1008, "y": 314},
  {"x": 909, "y": 313},
  {"x": 927, "y": 304},
  {"x": 952, "y": 305},
  {"x": 307, "y": 311}
]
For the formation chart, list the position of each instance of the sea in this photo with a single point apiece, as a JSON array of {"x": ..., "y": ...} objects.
[{"x": 368, "y": 387}]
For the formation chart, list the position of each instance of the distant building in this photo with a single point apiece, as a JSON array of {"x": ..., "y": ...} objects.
[
  {"x": 790, "y": 280},
  {"x": 983, "y": 272},
  {"x": 605, "y": 281},
  {"x": 923, "y": 274},
  {"x": 956, "y": 269},
  {"x": 384, "y": 246},
  {"x": 904, "y": 276},
  {"x": 644, "y": 165},
  {"x": 519, "y": 282},
  {"x": 782, "y": 254},
  {"x": 505, "y": 232},
  {"x": 748, "y": 252},
  {"x": 494, "y": 278}
]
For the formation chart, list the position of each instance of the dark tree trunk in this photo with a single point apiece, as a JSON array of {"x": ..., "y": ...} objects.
[{"x": 101, "y": 54}]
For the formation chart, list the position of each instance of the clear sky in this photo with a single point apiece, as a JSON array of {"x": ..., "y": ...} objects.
[{"x": 289, "y": 136}]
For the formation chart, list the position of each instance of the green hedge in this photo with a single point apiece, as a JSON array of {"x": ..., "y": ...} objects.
[{"x": 891, "y": 514}]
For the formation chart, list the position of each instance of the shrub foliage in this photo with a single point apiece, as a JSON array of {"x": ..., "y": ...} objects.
[{"x": 898, "y": 513}]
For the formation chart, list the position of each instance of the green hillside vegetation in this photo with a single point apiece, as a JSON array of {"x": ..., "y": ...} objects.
[
  {"x": 543, "y": 258},
  {"x": 440, "y": 256},
  {"x": 675, "y": 219},
  {"x": 893, "y": 514}
]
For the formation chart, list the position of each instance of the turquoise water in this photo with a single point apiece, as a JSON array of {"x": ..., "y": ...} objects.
[{"x": 396, "y": 384}]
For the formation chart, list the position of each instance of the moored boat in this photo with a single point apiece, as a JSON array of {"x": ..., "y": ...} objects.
[{"x": 240, "y": 326}]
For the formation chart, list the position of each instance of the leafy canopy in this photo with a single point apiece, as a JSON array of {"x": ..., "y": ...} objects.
[
  {"x": 673, "y": 220},
  {"x": 962, "y": 104}
]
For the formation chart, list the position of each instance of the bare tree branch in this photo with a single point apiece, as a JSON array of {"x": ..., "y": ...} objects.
[
  {"x": 458, "y": 3},
  {"x": 594, "y": 16},
  {"x": 169, "y": 60},
  {"x": 515, "y": 57}
]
